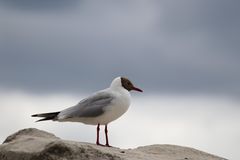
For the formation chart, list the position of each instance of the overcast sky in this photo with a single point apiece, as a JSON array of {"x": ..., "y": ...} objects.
[
  {"x": 167, "y": 47},
  {"x": 163, "y": 45}
]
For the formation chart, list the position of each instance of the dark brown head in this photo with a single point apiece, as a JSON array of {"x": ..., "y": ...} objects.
[{"x": 127, "y": 84}]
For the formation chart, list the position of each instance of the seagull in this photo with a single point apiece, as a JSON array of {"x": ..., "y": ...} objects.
[{"x": 100, "y": 108}]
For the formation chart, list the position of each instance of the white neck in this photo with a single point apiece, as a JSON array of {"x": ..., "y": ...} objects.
[{"x": 116, "y": 83}]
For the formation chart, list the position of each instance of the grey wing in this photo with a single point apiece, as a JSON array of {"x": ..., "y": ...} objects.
[{"x": 92, "y": 106}]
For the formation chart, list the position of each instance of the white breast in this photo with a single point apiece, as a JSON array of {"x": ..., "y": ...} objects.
[{"x": 119, "y": 106}]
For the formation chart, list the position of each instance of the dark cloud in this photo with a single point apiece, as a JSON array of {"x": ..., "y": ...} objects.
[
  {"x": 35, "y": 5},
  {"x": 161, "y": 45}
]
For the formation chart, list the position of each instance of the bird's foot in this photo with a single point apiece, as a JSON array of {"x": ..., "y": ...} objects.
[
  {"x": 99, "y": 144},
  {"x": 107, "y": 145}
]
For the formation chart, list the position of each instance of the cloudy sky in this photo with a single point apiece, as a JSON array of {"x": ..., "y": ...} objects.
[{"x": 183, "y": 54}]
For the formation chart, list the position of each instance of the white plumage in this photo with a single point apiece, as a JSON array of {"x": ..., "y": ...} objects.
[
  {"x": 101, "y": 108},
  {"x": 115, "y": 108}
]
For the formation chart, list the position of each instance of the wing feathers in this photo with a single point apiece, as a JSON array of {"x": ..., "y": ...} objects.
[
  {"x": 92, "y": 106},
  {"x": 47, "y": 116}
]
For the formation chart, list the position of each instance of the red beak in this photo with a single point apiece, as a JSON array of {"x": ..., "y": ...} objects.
[{"x": 137, "y": 89}]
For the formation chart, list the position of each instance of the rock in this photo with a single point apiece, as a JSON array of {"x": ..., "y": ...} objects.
[{"x": 34, "y": 144}]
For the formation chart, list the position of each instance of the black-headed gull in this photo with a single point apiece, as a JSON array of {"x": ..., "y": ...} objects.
[{"x": 101, "y": 108}]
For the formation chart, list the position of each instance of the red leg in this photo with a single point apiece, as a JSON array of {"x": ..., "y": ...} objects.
[
  {"x": 106, "y": 134},
  {"x": 98, "y": 129}
]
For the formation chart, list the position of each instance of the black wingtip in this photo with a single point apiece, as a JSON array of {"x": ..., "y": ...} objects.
[
  {"x": 45, "y": 119},
  {"x": 46, "y": 116},
  {"x": 38, "y": 121}
]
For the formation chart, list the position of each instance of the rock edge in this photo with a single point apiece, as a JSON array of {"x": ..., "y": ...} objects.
[{"x": 34, "y": 144}]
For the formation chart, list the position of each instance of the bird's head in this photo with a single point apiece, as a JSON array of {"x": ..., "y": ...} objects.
[{"x": 125, "y": 83}]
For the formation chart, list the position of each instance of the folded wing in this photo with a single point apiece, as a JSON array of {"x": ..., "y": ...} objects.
[{"x": 92, "y": 106}]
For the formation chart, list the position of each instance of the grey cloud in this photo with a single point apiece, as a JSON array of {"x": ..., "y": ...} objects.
[
  {"x": 35, "y": 5},
  {"x": 161, "y": 45}
]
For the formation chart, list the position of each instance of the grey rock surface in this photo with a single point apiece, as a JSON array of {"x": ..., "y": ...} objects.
[{"x": 34, "y": 144}]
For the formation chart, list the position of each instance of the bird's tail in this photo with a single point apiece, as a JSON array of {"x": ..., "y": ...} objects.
[{"x": 46, "y": 116}]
